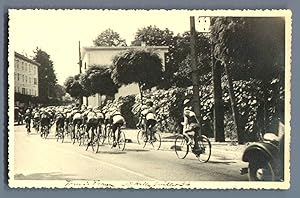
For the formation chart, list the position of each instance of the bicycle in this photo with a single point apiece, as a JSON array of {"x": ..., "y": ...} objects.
[
  {"x": 94, "y": 139},
  {"x": 121, "y": 139},
  {"x": 142, "y": 138},
  {"x": 44, "y": 132},
  {"x": 182, "y": 147},
  {"x": 35, "y": 125},
  {"x": 60, "y": 133},
  {"x": 27, "y": 126}
]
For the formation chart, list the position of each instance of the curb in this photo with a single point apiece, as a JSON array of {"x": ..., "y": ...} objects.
[{"x": 168, "y": 145}]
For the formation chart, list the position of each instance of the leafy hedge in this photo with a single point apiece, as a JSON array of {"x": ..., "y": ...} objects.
[{"x": 257, "y": 110}]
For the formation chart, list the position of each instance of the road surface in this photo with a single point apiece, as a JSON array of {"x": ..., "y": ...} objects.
[{"x": 46, "y": 159}]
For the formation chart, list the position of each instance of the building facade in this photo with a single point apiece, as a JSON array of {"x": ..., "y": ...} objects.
[
  {"x": 25, "y": 76},
  {"x": 104, "y": 56}
]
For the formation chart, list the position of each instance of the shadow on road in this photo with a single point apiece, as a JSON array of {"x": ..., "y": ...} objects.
[
  {"x": 44, "y": 176},
  {"x": 137, "y": 150},
  {"x": 226, "y": 162}
]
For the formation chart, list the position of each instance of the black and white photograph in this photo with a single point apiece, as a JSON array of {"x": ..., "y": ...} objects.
[{"x": 163, "y": 99}]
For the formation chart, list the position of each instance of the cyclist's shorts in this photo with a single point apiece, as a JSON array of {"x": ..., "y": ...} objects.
[
  {"x": 77, "y": 121},
  {"x": 116, "y": 125},
  {"x": 150, "y": 123},
  {"x": 107, "y": 121},
  {"x": 92, "y": 121}
]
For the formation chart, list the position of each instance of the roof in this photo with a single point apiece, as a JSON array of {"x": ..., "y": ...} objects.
[
  {"x": 26, "y": 59},
  {"x": 85, "y": 49}
]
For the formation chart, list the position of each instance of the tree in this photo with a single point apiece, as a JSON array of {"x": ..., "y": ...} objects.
[
  {"x": 74, "y": 87},
  {"x": 59, "y": 91},
  {"x": 250, "y": 48},
  {"x": 153, "y": 36},
  {"x": 204, "y": 62},
  {"x": 137, "y": 66},
  {"x": 47, "y": 78},
  {"x": 109, "y": 38},
  {"x": 97, "y": 79}
]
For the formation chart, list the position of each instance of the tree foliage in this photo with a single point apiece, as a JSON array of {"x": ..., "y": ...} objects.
[
  {"x": 253, "y": 47},
  {"x": 75, "y": 88},
  {"x": 177, "y": 57},
  {"x": 47, "y": 77},
  {"x": 109, "y": 38},
  {"x": 97, "y": 79},
  {"x": 137, "y": 66},
  {"x": 203, "y": 55}
]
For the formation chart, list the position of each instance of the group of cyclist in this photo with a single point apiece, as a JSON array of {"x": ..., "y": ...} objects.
[
  {"x": 93, "y": 118},
  {"x": 72, "y": 117}
]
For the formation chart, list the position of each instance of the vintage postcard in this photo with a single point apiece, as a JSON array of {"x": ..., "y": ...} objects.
[{"x": 139, "y": 99}]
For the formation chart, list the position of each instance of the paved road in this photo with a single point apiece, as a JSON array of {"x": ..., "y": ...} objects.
[{"x": 37, "y": 158}]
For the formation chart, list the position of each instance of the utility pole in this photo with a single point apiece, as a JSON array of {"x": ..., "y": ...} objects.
[
  {"x": 80, "y": 71},
  {"x": 195, "y": 80},
  {"x": 80, "y": 61}
]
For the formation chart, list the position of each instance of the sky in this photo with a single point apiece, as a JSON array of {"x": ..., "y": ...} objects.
[{"x": 58, "y": 31}]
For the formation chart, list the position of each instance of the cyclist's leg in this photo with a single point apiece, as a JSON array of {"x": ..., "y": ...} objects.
[
  {"x": 186, "y": 133},
  {"x": 196, "y": 138},
  {"x": 114, "y": 128}
]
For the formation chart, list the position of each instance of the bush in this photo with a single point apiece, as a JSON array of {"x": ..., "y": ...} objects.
[{"x": 255, "y": 112}]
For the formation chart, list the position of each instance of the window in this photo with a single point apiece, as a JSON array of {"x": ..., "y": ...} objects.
[
  {"x": 26, "y": 79},
  {"x": 22, "y": 78},
  {"x": 17, "y": 64},
  {"x": 29, "y": 80},
  {"x": 18, "y": 77},
  {"x": 23, "y": 90},
  {"x": 35, "y": 81},
  {"x": 22, "y": 64}
]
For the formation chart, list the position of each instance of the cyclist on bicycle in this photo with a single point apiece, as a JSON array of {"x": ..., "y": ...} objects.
[
  {"x": 36, "y": 118},
  {"x": 60, "y": 121},
  {"x": 100, "y": 119},
  {"x": 77, "y": 119},
  {"x": 142, "y": 121},
  {"x": 68, "y": 115},
  {"x": 45, "y": 119},
  {"x": 149, "y": 114},
  {"x": 27, "y": 117},
  {"x": 190, "y": 124},
  {"x": 91, "y": 123},
  {"x": 117, "y": 122}
]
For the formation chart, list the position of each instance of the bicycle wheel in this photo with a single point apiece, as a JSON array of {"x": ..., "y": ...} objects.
[
  {"x": 181, "y": 146},
  {"x": 205, "y": 149},
  {"x": 102, "y": 136},
  {"x": 156, "y": 141},
  {"x": 122, "y": 140},
  {"x": 110, "y": 137},
  {"x": 141, "y": 135}
]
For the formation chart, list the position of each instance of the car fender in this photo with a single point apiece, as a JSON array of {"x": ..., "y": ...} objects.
[{"x": 264, "y": 149}]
